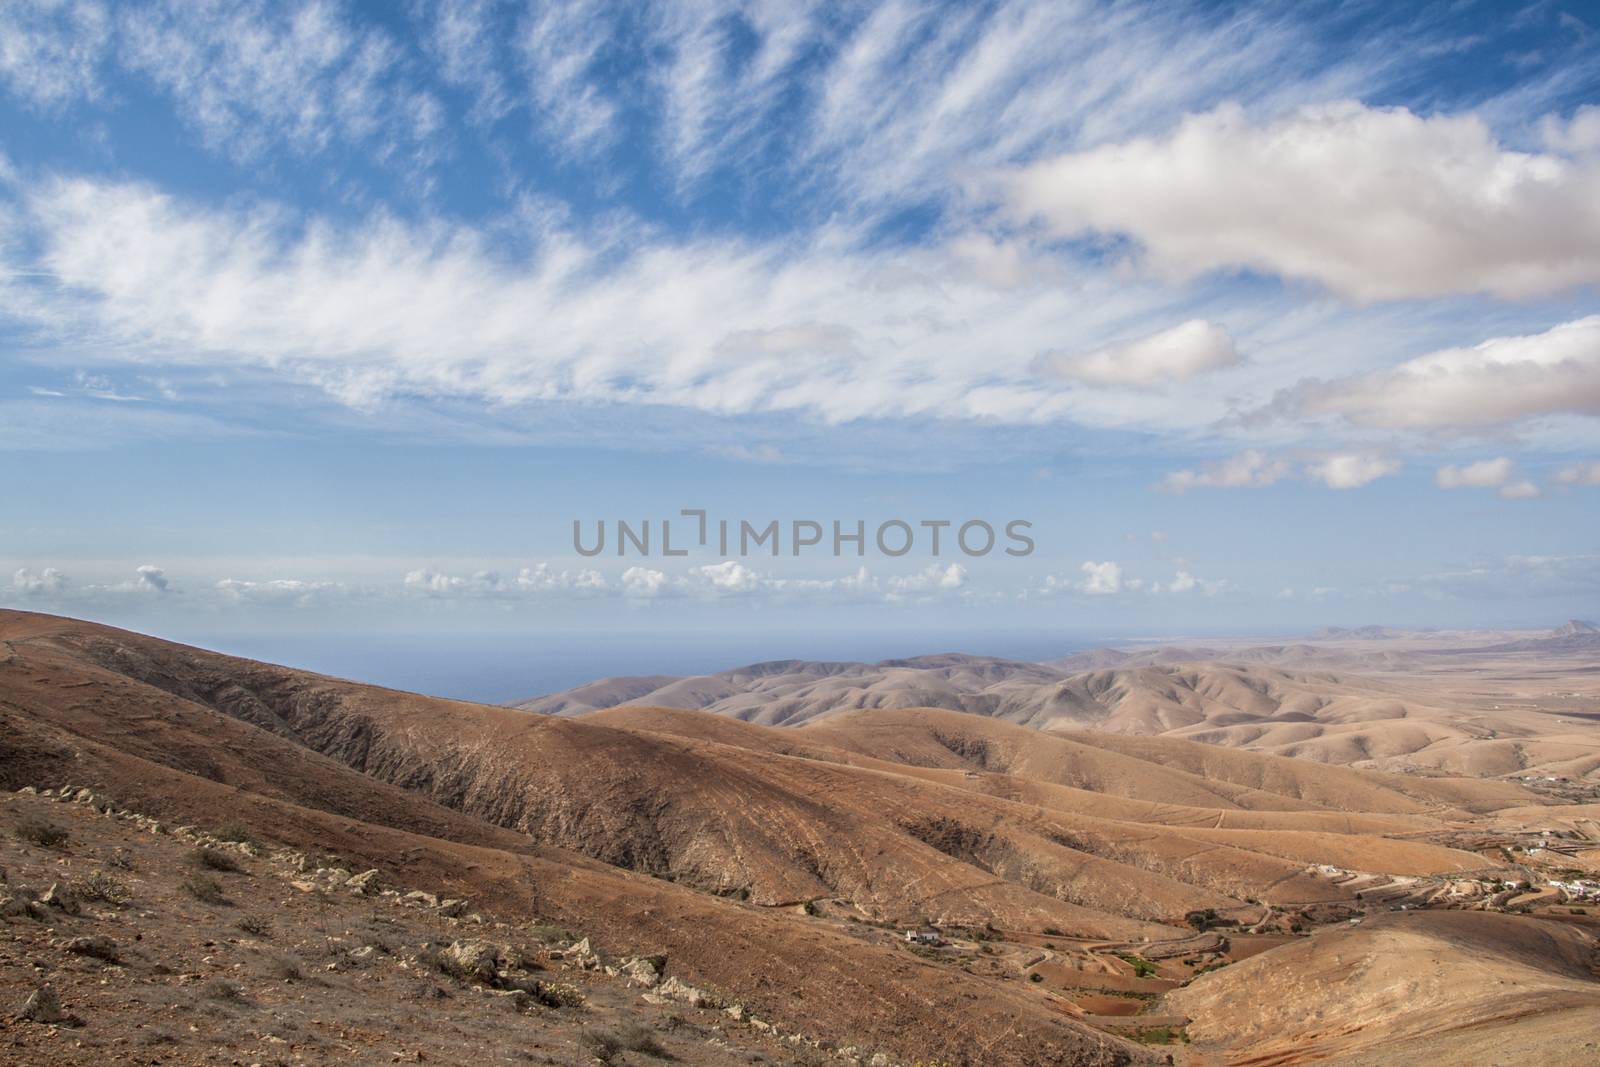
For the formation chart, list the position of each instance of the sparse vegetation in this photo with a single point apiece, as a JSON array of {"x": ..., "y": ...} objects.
[
  {"x": 204, "y": 889},
  {"x": 213, "y": 859},
  {"x": 41, "y": 832},
  {"x": 607, "y": 1045},
  {"x": 1158, "y": 1035},
  {"x": 106, "y": 888},
  {"x": 1142, "y": 968},
  {"x": 285, "y": 969},
  {"x": 223, "y": 990},
  {"x": 559, "y": 995},
  {"x": 255, "y": 926},
  {"x": 237, "y": 832},
  {"x": 1035, "y": 977}
]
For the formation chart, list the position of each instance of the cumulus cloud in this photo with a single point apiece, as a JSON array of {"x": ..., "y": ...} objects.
[
  {"x": 1174, "y": 355},
  {"x": 1250, "y": 469},
  {"x": 541, "y": 579},
  {"x": 297, "y": 592},
  {"x": 1184, "y": 582},
  {"x": 1351, "y": 470},
  {"x": 728, "y": 576},
  {"x": 1579, "y": 474},
  {"x": 1484, "y": 474},
  {"x": 41, "y": 583},
  {"x": 1501, "y": 380},
  {"x": 645, "y": 583},
  {"x": 1102, "y": 579},
  {"x": 1317, "y": 195},
  {"x": 150, "y": 578},
  {"x": 932, "y": 579}
]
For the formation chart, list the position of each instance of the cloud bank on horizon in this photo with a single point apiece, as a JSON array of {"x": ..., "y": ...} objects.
[{"x": 1261, "y": 247}]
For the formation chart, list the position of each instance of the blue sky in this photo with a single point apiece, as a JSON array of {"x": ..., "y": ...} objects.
[{"x": 332, "y": 317}]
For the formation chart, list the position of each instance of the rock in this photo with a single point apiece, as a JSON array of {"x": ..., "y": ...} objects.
[
  {"x": 29, "y": 790},
  {"x": 642, "y": 970},
  {"x": 363, "y": 954},
  {"x": 679, "y": 990},
  {"x": 13, "y": 905},
  {"x": 43, "y": 1006},
  {"x": 304, "y": 887},
  {"x": 471, "y": 959},
  {"x": 333, "y": 875},
  {"x": 97, "y": 945},
  {"x": 417, "y": 898},
  {"x": 735, "y": 1012},
  {"x": 451, "y": 909},
  {"x": 363, "y": 882},
  {"x": 60, "y": 895}
]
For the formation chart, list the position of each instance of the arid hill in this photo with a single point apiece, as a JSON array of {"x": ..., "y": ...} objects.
[
  {"x": 1072, "y": 882},
  {"x": 1453, "y": 703}
]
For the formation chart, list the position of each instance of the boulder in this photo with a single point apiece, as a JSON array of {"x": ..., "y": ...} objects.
[
  {"x": 642, "y": 970},
  {"x": 43, "y": 1006},
  {"x": 679, "y": 990},
  {"x": 451, "y": 909},
  {"x": 60, "y": 895},
  {"x": 417, "y": 898},
  {"x": 472, "y": 959},
  {"x": 363, "y": 882}
]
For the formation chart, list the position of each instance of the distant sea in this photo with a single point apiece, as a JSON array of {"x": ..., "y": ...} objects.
[{"x": 498, "y": 667}]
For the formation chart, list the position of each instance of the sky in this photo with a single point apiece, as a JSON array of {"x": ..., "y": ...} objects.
[{"x": 327, "y": 320}]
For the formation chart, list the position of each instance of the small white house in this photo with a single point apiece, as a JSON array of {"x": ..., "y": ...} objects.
[{"x": 924, "y": 937}]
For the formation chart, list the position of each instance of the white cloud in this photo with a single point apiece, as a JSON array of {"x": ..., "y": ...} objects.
[
  {"x": 1484, "y": 474},
  {"x": 1318, "y": 195},
  {"x": 1516, "y": 577},
  {"x": 1173, "y": 355},
  {"x": 51, "y": 50},
  {"x": 297, "y": 592},
  {"x": 48, "y": 582},
  {"x": 1102, "y": 579},
  {"x": 559, "y": 46},
  {"x": 1351, "y": 470},
  {"x": 1580, "y": 474},
  {"x": 150, "y": 578},
  {"x": 248, "y": 77},
  {"x": 1501, "y": 380},
  {"x": 644, "y": 583},
  {"x": 729, "y": 576},
  {"x": 719, "y": 326},
  {"x": 1250, "y": 469},
  {"x": 932, "y": 579},
  {"x": 1520, "y": 491}
]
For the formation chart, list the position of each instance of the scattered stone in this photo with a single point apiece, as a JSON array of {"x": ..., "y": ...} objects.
[
  {"x": 43, "y": 1006},
  {"x": 96, "y": 945},
  {"x": 60, "y": 895},
  {"x": 417, "y": 898},
  {"x": 643, "y": 970},
  {"x": 451, "y": 909},
  {"x": 679, "y": 990},
  {"x": 362, "y": 882},
  {"x": 471, "y": 959}
]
